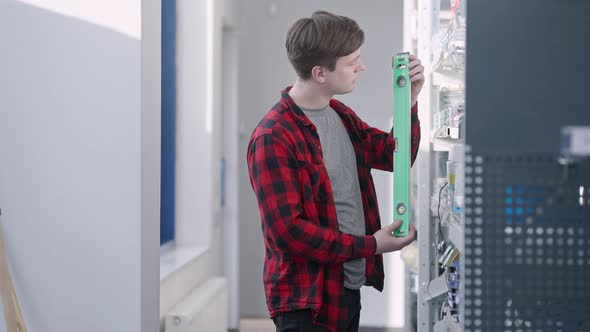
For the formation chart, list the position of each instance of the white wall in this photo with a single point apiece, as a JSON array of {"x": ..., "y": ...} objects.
[
  {"x": 199, "y": 136},
  {"x": 264, "y": 72},
  {"x": 194, "y": 206},
  {"x": 231, "y": 213},
  {"x": 205, "y": 92},
  {"x": 79, "y": 167},
  {"x": 151, "y": 138}
]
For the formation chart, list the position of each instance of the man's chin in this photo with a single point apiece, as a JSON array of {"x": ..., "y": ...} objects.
[{"x": 345, "y": 91}]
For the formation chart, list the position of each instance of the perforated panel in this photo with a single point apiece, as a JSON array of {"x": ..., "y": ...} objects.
[{"x": 527, "y": 244}]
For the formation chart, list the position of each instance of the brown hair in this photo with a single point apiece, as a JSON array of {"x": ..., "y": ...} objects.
[{"x": 320, "y": 40}]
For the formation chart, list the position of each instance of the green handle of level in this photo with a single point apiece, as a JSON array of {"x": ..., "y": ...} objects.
[{"x": 402, "y": 135}]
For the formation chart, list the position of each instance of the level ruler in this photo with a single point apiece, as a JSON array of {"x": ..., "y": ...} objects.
[{"x": 402, "y": 136}]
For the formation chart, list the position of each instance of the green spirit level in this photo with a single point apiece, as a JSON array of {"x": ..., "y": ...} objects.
[{"x": 402, "y": 136}]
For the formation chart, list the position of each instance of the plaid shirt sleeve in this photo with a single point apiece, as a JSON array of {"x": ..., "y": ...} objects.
[
  {"x": 274, "y": 176},
  {"x": 379, "y": 145}
]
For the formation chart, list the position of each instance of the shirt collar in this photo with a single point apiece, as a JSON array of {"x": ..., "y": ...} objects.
[{"x": 297, "y": 112}]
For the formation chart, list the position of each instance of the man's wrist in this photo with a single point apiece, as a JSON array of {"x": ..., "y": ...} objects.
[{"x": 372, "y": 244}]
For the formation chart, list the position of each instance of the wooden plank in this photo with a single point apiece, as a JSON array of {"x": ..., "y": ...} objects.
[{"x": 12, "y": 312}]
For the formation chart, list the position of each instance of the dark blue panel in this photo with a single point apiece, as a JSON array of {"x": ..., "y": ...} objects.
[
  {"x": 527, "y": 229},
  {"x": 168, "y": 120},
  {"x": 527, "y": 73}
]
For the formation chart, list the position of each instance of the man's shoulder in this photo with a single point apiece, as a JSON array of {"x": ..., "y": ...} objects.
[
  {"x": 277, "y": 121},
  {"x": 343, "y": 109}
]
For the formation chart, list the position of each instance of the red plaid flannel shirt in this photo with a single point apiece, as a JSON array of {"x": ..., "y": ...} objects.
[{"x": 305, "y": 251}]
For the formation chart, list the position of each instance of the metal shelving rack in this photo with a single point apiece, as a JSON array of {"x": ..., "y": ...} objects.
[{"x": 427, "y": 26}]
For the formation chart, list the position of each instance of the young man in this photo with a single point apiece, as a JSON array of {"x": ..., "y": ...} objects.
[{"x": 309, "y": 163}]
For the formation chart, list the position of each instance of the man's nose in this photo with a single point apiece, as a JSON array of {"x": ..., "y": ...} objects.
[{"x": 362, "y": 67}]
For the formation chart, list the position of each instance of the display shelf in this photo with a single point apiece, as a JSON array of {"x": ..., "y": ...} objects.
[
  {"x": 437, "y": 36},
  {"x": 451, "y": 223},
  {"x": 447, "y": 78},
  {"x": 443, "y": 144},
  {"x": 437, "y": 287}
]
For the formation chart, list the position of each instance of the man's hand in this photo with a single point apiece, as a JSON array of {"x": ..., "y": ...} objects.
[
  {"x": 416, "y": 77},
  {"x": 386, "y": 242}
]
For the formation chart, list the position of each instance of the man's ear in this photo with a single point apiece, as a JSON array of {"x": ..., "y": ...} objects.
[{"x": 318, "y": 73}]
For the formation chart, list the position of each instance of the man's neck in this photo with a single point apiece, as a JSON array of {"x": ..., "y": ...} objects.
[{"x": 308, "y": 95}]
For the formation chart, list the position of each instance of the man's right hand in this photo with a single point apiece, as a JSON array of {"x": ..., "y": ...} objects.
[{"x": 386, "y": 242}]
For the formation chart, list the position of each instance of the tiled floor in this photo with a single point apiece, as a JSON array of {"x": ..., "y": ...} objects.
[{"x": 257, "y": 325}]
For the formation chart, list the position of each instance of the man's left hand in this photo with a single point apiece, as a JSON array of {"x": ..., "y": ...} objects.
[{"x": 416, "y": 77}]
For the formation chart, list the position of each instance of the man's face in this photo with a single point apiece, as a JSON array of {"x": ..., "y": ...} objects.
[{"x": 343, "y": 79}]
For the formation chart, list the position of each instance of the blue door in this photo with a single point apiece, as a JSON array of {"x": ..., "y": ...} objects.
[{"x": 168, "y": 121}]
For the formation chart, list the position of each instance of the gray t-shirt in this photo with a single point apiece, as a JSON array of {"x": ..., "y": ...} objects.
[{"x": 340, "y": 161}]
